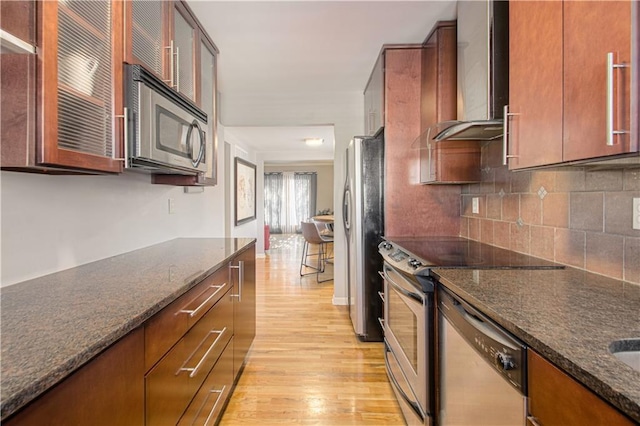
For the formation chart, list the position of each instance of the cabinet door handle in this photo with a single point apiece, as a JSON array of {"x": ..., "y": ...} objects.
[
  {"x": 240, "y": 269},
  {"x": 171, "y": 64},
  {"x": 505, "y": 135},
  {"x": 125, "y": 139},
  {"x": 177, "y": 68},
  {"x": 611, "y": 67},
  {"x": 194, "y": 312},
  {"x": 194, "y": 370}
]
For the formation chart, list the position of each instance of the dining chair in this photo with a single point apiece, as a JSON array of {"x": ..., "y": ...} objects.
[{"x": 312, "y": 236}]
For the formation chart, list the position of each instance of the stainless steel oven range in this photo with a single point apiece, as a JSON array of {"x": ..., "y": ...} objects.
[
  {"x": 408, "y": 334},
  {"x": 411, "y": 335}
]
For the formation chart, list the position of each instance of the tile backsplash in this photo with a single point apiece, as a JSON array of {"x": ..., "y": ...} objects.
[{"x": 576, "y": 217}]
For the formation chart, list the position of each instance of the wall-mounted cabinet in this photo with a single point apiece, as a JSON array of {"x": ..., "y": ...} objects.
[
  {"x": 164, "y": 37},
  {"x": 60, "y": 108},
  {"x": 63, "y": 107},
  {"x": 374, "y": 99},
  {"x": 570, "y": 79},
  {"x": 442, "y": 161}
]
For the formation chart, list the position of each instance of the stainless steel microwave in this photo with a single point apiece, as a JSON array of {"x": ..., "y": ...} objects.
[{"x": 165, "y": 132}]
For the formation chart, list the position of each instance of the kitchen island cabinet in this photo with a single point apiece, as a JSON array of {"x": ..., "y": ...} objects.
[
  {"x": 567, "y": 103},
  {"x": 64, "y": 334}
]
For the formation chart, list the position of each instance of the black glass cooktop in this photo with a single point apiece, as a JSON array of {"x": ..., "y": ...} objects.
[{"x": 458, "y": 252}]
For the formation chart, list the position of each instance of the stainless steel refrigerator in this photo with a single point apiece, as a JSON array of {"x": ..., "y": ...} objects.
[{"x": 363, "y": 216}]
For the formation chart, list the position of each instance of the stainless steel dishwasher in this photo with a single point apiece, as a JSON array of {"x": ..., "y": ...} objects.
[{"x": 482, "y": 368}]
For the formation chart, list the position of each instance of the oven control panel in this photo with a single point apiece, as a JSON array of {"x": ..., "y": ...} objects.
[{"x": 401, "y": 259}]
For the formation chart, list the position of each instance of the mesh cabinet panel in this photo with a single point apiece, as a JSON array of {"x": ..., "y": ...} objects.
[{"x": 85, "y": 107}]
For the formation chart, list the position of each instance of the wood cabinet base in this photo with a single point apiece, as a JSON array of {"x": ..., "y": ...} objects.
[
  {"x": 557, "y": 399},
  {"x": 108, "y": 391}
]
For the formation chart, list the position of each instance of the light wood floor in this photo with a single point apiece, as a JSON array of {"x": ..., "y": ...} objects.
[{"x": 306, "y": 366}]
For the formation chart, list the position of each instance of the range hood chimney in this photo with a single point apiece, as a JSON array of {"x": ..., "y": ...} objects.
[{"x": 483, "y": 72}]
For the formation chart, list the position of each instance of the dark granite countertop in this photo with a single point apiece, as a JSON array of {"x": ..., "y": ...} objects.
[
  {"x": 568, "y": 316},
  {"x": 54, "y": 324}
]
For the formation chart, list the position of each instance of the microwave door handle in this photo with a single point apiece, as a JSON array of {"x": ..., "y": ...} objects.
[{"x": 203, "y": 147}]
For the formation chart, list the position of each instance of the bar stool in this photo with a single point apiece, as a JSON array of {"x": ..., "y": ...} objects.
[{"x": 312, "y": 236}]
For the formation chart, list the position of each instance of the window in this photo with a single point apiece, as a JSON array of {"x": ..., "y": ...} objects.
[{"x": 289, "y": 198}]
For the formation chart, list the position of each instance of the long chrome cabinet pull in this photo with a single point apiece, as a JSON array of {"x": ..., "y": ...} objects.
[
  {"x": 194, "y": 312},
  {"x": 532, "y": 421},
  {"x": 177, "y": 69},
  {"x": 125, "y": 156},
  {"x": 240, "y": 269},
  {"x": 611, "y": 67},
  {"x": 194, "y": 370},
  {"x": 171, "y": 64},
  {"x": 505, "y": 135},
  {"x": 220, "y": 392}
]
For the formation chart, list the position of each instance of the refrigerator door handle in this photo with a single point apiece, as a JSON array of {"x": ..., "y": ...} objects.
[{"x": 346, "y": 209}]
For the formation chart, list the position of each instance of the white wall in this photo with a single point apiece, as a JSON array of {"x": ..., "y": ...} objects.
[
  {"x": 52, "y": 223},
  {"x": 249, "y": 229}
]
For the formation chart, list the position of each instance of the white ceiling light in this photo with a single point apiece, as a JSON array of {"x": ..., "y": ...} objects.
[{"x": 313, "y": 141}]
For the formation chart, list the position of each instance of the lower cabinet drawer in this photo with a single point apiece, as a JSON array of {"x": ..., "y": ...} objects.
[
  {"x": 172, "y": 383},
  {"x": 208, "y": 403}
]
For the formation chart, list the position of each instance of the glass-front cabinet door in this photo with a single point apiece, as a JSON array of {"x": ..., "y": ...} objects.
[
  {"x": 81, "y": 65},
  {"x": 207, "y": 100},
  {"x": 162, "y": 36},
  {"x": 147, "y": 43},
  {"x": 184, "y": 36}
]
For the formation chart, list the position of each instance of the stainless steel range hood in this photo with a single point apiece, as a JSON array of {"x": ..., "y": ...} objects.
[{"x": 483, "y": 72}]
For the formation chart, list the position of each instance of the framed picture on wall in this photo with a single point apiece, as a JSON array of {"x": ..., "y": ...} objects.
[{"x": 245, "y": 188}]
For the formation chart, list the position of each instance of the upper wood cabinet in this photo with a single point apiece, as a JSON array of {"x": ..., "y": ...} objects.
[
  {"x": 444, "y": 161},
  {"x": 163, "y": 37},
  {"x": 374, "y": 99},
  {"x": 570, "y": 82},
  {"x": 61, "y": 107}
]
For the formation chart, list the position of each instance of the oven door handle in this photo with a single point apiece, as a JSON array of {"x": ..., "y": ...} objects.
[
  {"x": 400, "y": 289},
  {"x": 414, "y": 405}
]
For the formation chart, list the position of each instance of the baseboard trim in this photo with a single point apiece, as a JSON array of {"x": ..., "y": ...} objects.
[{"x": 340, "y": 301}]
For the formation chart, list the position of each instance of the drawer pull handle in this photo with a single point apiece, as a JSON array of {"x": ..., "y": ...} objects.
[
  {"x": 194, "y": 370},
  {"x": 532, "y": 421},
  {"x": 213, "y": 409},
  {"x": 240, "y": 269},
  {"x": 194, "y": 312}
]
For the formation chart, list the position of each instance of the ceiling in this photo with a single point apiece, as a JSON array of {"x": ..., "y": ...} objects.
[{"x": 289, "y": 70}]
